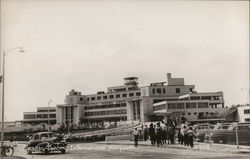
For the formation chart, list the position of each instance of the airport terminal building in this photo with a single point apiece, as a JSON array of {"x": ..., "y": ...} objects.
[{"x": 129, "y": 102}]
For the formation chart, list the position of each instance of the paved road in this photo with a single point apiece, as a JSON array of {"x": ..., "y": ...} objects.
[{"x": 96, "y": 151}]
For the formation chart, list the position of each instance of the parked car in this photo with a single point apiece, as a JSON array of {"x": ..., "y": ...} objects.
[
  {"x": 228, "y": 135},
  {"x": 201, "y": 130},
  {"x": 46, "y": 142},
  {"x": 217, "y": 128}
]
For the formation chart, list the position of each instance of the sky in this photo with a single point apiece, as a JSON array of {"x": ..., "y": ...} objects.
[{"x": 91, "y": 45}]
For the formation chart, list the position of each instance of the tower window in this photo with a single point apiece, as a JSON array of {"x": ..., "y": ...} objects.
[{"x": 177, "y": 90}]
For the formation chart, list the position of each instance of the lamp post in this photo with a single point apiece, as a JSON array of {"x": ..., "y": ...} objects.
[
  {"x": 49, "y": 114},
  {"x": 20, "y": 49}
]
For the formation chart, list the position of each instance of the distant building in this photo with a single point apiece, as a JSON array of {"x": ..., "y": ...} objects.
[
  {"x": 42, "y": 115},
  {"x": 130, "y": 102},
  {"x": 12, "y": 123},
  {"x": 243, "y": 113}
]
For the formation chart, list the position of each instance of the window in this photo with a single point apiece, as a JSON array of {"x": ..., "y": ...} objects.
[
  {"x": 183, "y": 113},
  {"x": 124, "y": 95},
  {"x": 111, "y": 96},
  {"x": 44, "y": 135},
  {"x": 138, "y": 93},
  {"x": 92, "y": 98},
  {"x": 158, "y": 90},
  {"x": 153, "y": 91},
  {"x": 51, "y": 135},
  {"x": 195, "y": 113},
  {"x": 164, "y": 90},
  {"x": 118, "y": 96},
  {"x": 177, "y": 90},
  {"x": 247, "y": 111},
  {"x": 191, "y": 105},
  {"x": 189, "y": 113},
  {"x": 81, "y": 98},
  {"x": 36, "y": 137},
  {"x": 131, "y": 94},
  {"x": 190, "y": 89},
  {"x": 206, "y": 97},
  {"x": 195, "y": 98},
  {"x": 202, "y": 105},
  {"x": 244, "y": 127},
  {"x": 247, "y": 119},
  {"x": 105, "y": 97},
  {"x": 87, "y": 99},
  {"x": 180, "y": 106},
  {"x": 99, "y": 98},
  {"x": 123, "y": 104},
  {"x": 207, "y": 113},
  {"x": 171, "y": 106}
]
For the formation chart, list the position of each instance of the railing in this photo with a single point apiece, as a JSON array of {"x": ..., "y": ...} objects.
[{"x": 123, "y": 129}]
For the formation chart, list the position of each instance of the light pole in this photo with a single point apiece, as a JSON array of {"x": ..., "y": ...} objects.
[
  {"x": 20, "y": 49},
  {"x": 49, "y": 114}
]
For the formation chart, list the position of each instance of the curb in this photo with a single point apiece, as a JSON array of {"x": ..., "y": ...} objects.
[{"x": 196, "y": 147}]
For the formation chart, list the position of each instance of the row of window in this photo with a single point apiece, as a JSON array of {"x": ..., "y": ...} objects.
[
  {"x": 39, "y": 116},
  {"x": 196, "y": 113},
  {"x": 51, "y": 110},
  {"x": 247, "y": 111},
  {"x": 247, "y": 119},
  {"x": 107, "y": 102},
  {"x": 159, "y": 91},
  {"x": 163, "y": 90},
  {"x": 206, "y": 97},
  {"x": 112, "y": 96},
  {"x": 106, "y": 106},
  {"x": 110, "y": 112},
  {"x": 181, "y": 106}
]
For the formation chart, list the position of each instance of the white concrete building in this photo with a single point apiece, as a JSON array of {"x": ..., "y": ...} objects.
[
  {"x": 42, "y": 115},
  {"x": 130, "y": 102},
  {"x": 243, "y": 113}
]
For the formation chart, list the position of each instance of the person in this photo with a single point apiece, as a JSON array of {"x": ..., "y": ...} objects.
[
  {"x": 151, "y": 132},
  {"x": 145, "y": 131},
  {"x": 164, "y": 133},
  {"x": 190, "y": 134},
  {"x": 136, "y": 136},
  {"x": 182, "y": 134},
  {"x": 158, "y": 134},
  {"x": 171, "y": 134},
  {"x": 179, "y": 134},
  {"x": 155, "y": 134},
  {"x": 185, "y": 136}
]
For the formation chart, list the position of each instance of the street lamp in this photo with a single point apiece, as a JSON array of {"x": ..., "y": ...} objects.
[
  {"x": 49, "y": 114},
  {"x": 21, "y": 50}
]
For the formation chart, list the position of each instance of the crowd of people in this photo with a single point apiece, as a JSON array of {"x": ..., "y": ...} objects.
[{"x": 163, "y": 133}]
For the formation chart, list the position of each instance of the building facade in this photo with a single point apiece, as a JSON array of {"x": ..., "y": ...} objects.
[
  {"x": 193, "y": 106},
  {"x": 42, "y": 115},
  {"x": 130, "y": 102},
  {"x": 243, "y": 113}
]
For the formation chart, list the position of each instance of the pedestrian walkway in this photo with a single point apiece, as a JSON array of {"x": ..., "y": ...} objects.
[{"x": 197, "y": 146}]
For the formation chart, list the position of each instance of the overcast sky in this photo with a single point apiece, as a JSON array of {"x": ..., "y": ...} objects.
[{"x": 91, "y": 45}]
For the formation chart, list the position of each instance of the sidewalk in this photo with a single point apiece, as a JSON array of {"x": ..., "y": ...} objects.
[{"x": 197, "y": 146}]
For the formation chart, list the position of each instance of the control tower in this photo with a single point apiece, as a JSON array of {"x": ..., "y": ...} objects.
[{"x": 131, "y": 81}]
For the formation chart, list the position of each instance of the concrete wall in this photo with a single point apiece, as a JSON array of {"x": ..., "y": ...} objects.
[{"x": 241, "y": 116}]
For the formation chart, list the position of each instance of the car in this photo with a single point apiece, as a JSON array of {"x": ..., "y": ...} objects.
[
  {"x": 219, "y": 127},
  {"x": 46, "y": 142},
  {"x": 200, "y": 131},
  {"x": 228, "y": 135}
]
